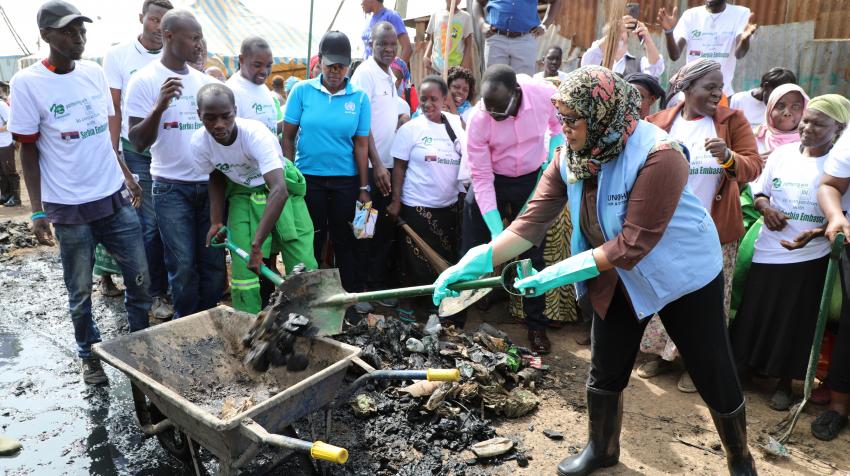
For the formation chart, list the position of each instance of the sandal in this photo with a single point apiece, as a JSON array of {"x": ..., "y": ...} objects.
[{"x": 828, "y": 425}]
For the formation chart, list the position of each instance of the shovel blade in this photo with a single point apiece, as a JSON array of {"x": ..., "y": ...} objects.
[{"x": 300, "y": 292}]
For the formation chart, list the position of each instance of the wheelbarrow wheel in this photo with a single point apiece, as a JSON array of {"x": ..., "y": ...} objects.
[{"x": 176, "y": 444}]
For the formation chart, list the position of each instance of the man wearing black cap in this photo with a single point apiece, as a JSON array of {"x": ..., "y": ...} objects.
[
  {"x": 163, "y": 115},
  {"x": 60, "y": 112},
  {"x": 331, "y": 119}
]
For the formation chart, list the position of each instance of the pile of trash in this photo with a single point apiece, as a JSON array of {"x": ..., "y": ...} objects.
[
  {"x": 439, "y": 420},
  {"x": 15, "y": 235}
]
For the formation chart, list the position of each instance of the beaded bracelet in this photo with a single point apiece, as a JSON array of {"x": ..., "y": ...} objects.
[
  {"x": 38, "y": 215},
  {"x": 729, "y": 163}
]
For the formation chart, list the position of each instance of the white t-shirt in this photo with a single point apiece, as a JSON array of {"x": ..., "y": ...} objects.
[
  {"x": 253, "y": 154},
  {"x": 171, "y": 154},
  {"x": 121, "y": 62},
  {"x": 752, "y": 107},
  {"x": 5, "y": 137},
  {"x": 561, "y": 75},
  {"x": 253, "y": 101},
  {"x": 705, "y": 173},
  {"x": 838, "y": 163},
  {"x": 713, "y": 36},
  {"x": 70, "y": 112},
  {"x": 791, "y": 182},
  {"x": 433, "y": 161},
  {"x": 379, "y": 85}
]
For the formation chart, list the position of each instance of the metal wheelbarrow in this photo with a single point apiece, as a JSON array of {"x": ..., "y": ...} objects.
[{"x": 183, "y": 371}]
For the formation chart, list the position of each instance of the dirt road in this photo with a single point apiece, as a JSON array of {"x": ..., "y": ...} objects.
[{"x": 68, "y": 428}]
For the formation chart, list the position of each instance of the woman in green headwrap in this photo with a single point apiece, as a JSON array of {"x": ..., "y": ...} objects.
[
  {"x": 835, "y": 182},
  {"x": 775, "y": 324}
]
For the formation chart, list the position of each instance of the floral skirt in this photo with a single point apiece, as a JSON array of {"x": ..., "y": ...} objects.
[{"x": 655, "y": 339}]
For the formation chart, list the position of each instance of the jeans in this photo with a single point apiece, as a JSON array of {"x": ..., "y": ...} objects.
[
  {"x": 330, "y": 201},
  {"x": 838, "y": 376},
  {"x": 511, "y": 195},
  {"x": 141, "y": 166},
  {"x": 120, "y": 234},
  {"x": 376, "y": 254},
  {"x": 518, "y": 53},
  {"x": 696, "y": 324},
  {"x": 197, "y": 272}
]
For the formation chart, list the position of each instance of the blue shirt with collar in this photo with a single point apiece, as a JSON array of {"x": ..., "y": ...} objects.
[
  {"x": 386, "y": 15},
  {"x": 327, "y": 126},
  {"x": 513, "y": 15}
]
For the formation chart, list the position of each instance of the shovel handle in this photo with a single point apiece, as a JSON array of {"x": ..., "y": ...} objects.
[{"x": 264, "y": 270}]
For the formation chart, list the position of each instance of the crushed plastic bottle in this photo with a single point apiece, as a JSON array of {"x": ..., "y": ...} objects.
[{"x": 433, "y": 326}]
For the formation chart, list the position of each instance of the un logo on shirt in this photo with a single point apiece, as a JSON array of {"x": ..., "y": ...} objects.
[{"x": 350, "y": 107}]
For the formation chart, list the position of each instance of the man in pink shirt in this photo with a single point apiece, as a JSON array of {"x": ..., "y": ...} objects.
[{"x": 506, "y": 149}]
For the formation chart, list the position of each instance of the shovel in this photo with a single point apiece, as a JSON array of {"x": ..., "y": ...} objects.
[
  {"x": 319, "y": 293},
  {"x": 776, "y": 445}
]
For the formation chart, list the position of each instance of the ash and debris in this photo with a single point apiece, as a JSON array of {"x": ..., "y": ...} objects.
[
  {"x": 426, "y": 428},
  {"x": 14, "y": 235}
]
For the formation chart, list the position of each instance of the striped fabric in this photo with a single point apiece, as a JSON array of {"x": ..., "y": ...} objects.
[{"x": 227, "y": 22}]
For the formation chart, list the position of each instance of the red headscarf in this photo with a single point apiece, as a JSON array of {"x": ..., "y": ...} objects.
[{"x": 313, "y": 61}]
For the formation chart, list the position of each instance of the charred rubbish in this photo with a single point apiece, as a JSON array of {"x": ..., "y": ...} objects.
[{"x": 422, "y": 427}]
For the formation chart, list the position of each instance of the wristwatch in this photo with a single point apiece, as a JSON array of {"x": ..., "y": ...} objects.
[{"x": 366, "y": 188}]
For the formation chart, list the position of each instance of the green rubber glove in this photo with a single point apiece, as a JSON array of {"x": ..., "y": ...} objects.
[
  {"x": 476, "y": 262},
  {"x": 573, "y": 269},
  {"x": 494, "y": 223},
  {"x": 554, "y": 143}
]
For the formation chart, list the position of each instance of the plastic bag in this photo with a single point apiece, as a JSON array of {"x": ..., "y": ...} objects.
[{"x": 364, "y": 220}]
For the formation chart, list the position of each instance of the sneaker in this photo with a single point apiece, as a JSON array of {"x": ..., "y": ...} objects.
[
  {"x": 161, "y": 309},
  {"x": 13, "y": 201},
  {"x": 388, "y": 302},
  {"x": 781, "y": 399},
  {"x": 93, "y": 373},
  {"x": 108, "y": 288},
  {"x": 654, "y": 367},
  {"x": 685, "y": 384},
  {"x": 363, "y": 308}
]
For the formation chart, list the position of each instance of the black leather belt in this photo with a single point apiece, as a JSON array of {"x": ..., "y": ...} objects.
[{"x": 509, "y": 34}]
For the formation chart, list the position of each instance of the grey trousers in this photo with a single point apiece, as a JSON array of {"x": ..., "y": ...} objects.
[{"x": 519, "y": 53}]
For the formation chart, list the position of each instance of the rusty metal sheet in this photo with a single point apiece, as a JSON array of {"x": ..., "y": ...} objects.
[
  {"x": 577, "y": 19},
  {"x": 824, "y": 68}
]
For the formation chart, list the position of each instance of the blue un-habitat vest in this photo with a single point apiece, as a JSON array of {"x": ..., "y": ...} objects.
[{"x": 685, "y": 259}]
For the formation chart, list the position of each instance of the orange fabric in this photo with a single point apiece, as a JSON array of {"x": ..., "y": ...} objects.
[{"x": 732, "y": 126}]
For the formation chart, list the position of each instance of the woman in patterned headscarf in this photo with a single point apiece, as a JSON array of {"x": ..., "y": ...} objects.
[{"x": 641, "y": 244}]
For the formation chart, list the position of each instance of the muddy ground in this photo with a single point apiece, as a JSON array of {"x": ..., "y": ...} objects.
[{"x": 68, "y": 428}]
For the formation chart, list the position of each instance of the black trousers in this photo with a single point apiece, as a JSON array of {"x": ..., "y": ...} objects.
[
  {"x": 330, "y": 201},
  {"x": 697, "y": 326},
  {"x": 511, "y": 195},
  {"x": 839, "y": 367},
  {"x": 376, "y": 255}
]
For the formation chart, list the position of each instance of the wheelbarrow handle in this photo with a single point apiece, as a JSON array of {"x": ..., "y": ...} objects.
[
  {"x": 264, "y": 270},
  {"x": 317, "y": 449}
]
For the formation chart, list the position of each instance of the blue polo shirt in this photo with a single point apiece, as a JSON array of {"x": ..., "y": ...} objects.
[
  {"x": 327, "y": 126},
  {"x": 513, "y": 15},
  {"x": 386, "y": 15}
]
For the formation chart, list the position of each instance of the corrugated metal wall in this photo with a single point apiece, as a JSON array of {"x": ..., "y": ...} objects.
[{"x": 578, "y": 20}]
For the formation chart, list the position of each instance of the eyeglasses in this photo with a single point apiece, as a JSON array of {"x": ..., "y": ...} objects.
[
  {"x": 504, "y": 115},
  {"x": 568, "y": 120}
]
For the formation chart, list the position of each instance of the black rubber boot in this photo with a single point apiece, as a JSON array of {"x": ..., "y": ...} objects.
[
  {"x": 605, "y": 418},
  {"x": 732, "y": 428}
]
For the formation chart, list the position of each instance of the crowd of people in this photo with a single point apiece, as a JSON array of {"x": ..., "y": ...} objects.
[{"x": 694, "y": 222}]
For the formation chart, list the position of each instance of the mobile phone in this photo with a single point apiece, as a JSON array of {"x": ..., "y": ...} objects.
[{"x": 633, "y": 10}]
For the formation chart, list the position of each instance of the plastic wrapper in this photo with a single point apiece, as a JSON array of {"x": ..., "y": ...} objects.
[{"x": 364, "y": 220}]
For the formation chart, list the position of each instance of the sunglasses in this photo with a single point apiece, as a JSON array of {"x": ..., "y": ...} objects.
[
  {"x": 568, "y": 120},
  {"x": 504, "y": 115}
]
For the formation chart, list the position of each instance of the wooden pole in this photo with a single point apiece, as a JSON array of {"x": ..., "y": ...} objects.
[{"x": 448, "y": 45}]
